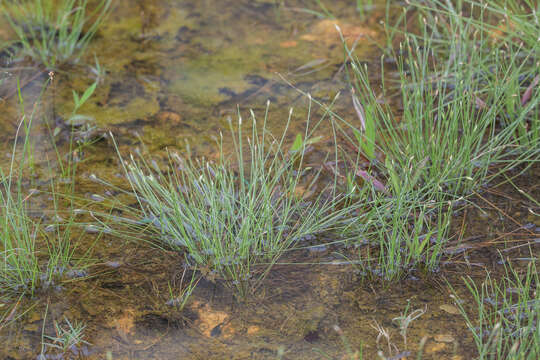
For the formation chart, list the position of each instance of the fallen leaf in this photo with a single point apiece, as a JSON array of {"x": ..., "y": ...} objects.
[
  {"x": 311, "y": 64},
  {"x": 125, "y": 324},
  {"x": 376, "y": 183},
  {"x": 169, "y": 117},
  {"x": 288, "y": 44},
  {"x": 325, "y": 31},
  {"x": 359, "y": 110},
  {"x": 480, "y": 104},
  {"x": 528, "y": 93}
]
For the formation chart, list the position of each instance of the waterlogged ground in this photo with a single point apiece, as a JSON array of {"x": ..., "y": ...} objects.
[{"x": 176, "y": 71}]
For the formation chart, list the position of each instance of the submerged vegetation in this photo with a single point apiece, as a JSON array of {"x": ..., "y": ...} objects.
[
  {"x": 67, "y": 339},
  {"x": 457, "y": 112}
]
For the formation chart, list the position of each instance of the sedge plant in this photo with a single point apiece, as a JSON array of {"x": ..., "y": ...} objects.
[
  {"x": 499, "y": 39},
  {"x": 186, "y": 288},
  {"x": 235, "y": 217},
  {"x": 19, "y": 270},
  {"x": 34, "y": 256},
  {"x": 459, "y": 126},
  {"x": 504, "y": 321},
  {"x": 53, "y": 32},
  {"x": 399, "y": 234},
  {"x": 442, "y": 141}
]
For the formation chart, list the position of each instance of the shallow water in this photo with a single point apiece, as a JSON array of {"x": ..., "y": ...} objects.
[{"x": 176, "y": 71}]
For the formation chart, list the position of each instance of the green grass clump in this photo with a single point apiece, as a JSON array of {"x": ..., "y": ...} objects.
[
  {"x": 19, "y": 269},
  {"x": 499, "y": 40},
  {"x": 235, "y": 217},
  {"x": 443, "y": 142},
  {"x": 477, "y": 25},
  {"x": 67, "y": 339},
  {"x": 505, "y": 321},
  {"x": 53, "y": 32},
  {"x": 34, "y": 256},
  {"x": 468, "y": 112},
  {"x": 398, "y": 235}
]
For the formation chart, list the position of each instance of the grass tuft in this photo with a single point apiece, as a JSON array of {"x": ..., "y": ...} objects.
[
  {"x": 34, "y": 256},
  {"x": 468, "y": 112},
  {"x": 505, "y": 322},
  {"x": 53, "y": 32},
  {"x": 235, "y": 217}
]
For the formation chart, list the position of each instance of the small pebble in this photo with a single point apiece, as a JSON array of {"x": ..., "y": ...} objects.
[
  {"x": 97, "y": 198},
  {"x": 317, "y": 249},
  {"x": 449, "y": 309},
  {"x": 445, "y": 338},
  {"x": 92, "y": 229}
]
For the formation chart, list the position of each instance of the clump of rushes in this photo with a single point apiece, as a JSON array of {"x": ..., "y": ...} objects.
[
  {"x": 499, "y": 39},
  {"x": 473, "y": 25},
  {"x": 232, "y": 223},
  {"x": 505, "y": 322},
  {"x": 444, "y": 141},
  {"x": 19, "y": 269},
  {"x": 469, "y": 99},
  {"x": 468, "y": 113},
  {"x": 53, "y": 32},
  {"x": 398, "y": 234},
  {"x": 33, "y": 256}
]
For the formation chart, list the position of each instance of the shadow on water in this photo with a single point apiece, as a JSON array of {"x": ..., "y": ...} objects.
[{"x": 175, "y": 71}]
